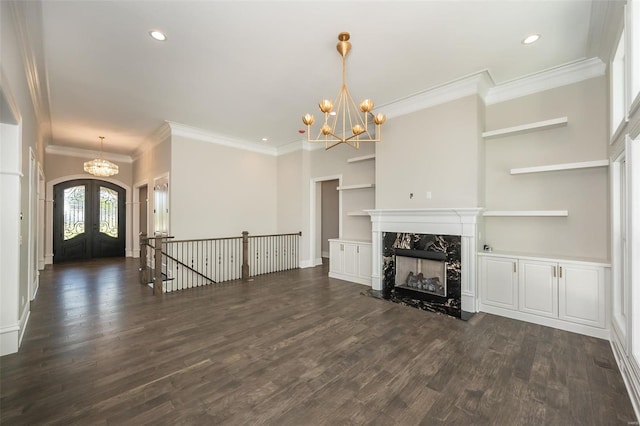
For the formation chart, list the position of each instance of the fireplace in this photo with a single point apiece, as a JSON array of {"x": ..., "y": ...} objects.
[
  {"x": 453, "y": 231},
  {"x": 421, "y": 271}
]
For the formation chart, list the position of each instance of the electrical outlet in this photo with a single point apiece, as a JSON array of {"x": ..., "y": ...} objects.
[{"x": 411, "y": 195}]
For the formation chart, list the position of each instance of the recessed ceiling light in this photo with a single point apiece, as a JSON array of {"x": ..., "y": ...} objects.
[
  {"x": 531, "y": 39},
  {"x": 264, "y": 139},
  {"x": 158, "y": 35},
  {"x": 332, "y": 113}
]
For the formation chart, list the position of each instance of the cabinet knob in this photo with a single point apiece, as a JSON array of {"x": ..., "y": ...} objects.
[
  {"x": 515, "y": 268},
  {"x": 554, "y": 272},
  {"x": 560, "y": 271}
]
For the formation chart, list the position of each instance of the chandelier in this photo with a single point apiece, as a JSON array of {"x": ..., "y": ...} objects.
[
  {"x": 345, "y": 124},
  {"x": 99, "y": 166}
]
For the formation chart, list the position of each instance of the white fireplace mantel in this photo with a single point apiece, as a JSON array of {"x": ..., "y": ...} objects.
[{"x": 464, "y": 222}]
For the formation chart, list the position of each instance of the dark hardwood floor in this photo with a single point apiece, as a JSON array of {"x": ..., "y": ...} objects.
[{"x": 294, "y": 348}]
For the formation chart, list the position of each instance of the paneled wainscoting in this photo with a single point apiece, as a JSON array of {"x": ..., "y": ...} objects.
[{"x": 290, "y": 348}]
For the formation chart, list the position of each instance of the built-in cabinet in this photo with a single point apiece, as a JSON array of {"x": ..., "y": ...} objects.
[
  {"x": 561, "y": 293},
  {"x": 350, "y": 260}
]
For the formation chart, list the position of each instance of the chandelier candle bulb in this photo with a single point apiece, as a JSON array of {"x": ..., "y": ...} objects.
[{"x": 348, "y": 125}]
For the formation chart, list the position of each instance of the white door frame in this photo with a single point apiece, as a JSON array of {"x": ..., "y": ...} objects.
[
  {"x": 32, "y": 232},
  {"x": 315, "y": 219},
  {"x": 136, "y": 215}
]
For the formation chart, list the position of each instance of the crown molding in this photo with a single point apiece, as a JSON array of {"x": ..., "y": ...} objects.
[
  {"x": 478, "y": 83},
  {"x": 562, "y": 75},
  {"x": 86, "y": 153},
  {"x": 37, "y": 83},
  {"x": 300, "y": 145},
  {"x": 161, "y": 134},
  {"x": 178, "y": 129}
]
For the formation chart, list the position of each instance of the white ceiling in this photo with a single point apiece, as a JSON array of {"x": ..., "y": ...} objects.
[{"x": 248, "y": 70}]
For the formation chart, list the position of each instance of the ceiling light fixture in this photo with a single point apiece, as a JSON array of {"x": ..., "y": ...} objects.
[
  {"x": 531, "y": 39},
  {"x": 346, "y": 125},
  {"x": 264, "y": 139},
  {"x": 158, "y": 35},
  {"x": 99, "y": 166}
]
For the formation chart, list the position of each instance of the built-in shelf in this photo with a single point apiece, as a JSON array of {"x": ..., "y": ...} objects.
[
  {"x": 361, "y": 186},
  {"x": 539, "y": 125},
  {"x": 565, "y": 166},
  {"x": 526, "y": 213},
  {"x": 358, "y": 213},
  {"x": 363, "y": 158}
]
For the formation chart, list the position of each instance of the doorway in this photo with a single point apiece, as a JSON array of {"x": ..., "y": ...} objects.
[{"x": 88, "y": 220}]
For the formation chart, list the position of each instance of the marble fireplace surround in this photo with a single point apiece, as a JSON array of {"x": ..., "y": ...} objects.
[{"x": 465, "y": 222}]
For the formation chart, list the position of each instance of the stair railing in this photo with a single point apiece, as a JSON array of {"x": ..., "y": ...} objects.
[{"x": 172, "y": 265}]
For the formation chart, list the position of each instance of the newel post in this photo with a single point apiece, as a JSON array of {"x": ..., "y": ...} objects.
[
  {"x": 157, "y": 276},
  {"x": 245, "y": 256},
  {"x": 144, "y": 272}
]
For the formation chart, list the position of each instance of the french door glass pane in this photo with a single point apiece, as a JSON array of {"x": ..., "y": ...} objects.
[
  {"x": 73, "y": 211},
  {"x": 109, "y": 212}
]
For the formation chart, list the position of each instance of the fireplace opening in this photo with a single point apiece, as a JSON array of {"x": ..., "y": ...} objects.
[{"x": 421, "y": 271}]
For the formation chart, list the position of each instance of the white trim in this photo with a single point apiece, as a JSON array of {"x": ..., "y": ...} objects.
[
  {"x": 310, "y": 263},
  {"x": 562, "y": 75},
  {"x": 182, "y": 130},
  {"x": 312, "y": 215},
  {"x": 86, "y": 153},
  {"x": 24, "y": 320},
  {"x": 11, "y": 173},
  {"x": 540, "y": 125},
  {"x": 474, "y": 84},
  {"x": 136, "y": 215},
  {"x": 601, "y": 333},
  {"x": 154, "y": 139},
  {"x": 9, "y": 339}
]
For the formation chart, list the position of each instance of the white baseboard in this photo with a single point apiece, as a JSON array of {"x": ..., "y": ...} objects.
[
  {"x": 325, "y": 254},
  {"x": 24, "y": 320},
  {"x": 631, "y": 381},
  {"x": 350, "y": 278},
  {"x": 310, "y": 263},
  {"x": 9, "y": 339},
  {"x": 48, "y": 259},
  {"x": 601, "y": 333},
  {"x": 36, "y": 286},
  {"x": 129, "y": 253}
]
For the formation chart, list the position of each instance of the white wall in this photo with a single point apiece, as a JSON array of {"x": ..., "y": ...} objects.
[
  {"x": 14, "y": 286},
  {"x": 584, "y": 193},
  {"x": 218, "y": 191},
  {"x": 435, "y": 150}
]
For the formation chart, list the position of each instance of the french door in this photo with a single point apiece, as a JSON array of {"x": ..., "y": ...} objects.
[{"x": 88, "y": 220}]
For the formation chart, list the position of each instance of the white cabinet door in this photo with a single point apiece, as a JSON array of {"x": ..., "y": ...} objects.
[
  {"x": 499, "y": 282},
  {"x": 364, "y": 261},
  {"x": 582, "y": 294},
  {"x": 336, "y": 257},
  {"x": 538, "y": 288},
  {"x": 350, "y": 259}
]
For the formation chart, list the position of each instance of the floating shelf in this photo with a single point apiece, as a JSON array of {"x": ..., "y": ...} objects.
[
  {"x": 539, "y": 125},
  {"x": 566, "y": 166},
  {"x": 526, "y": 213},
  {"x": 363, "y": 158},
  {"x": 361, "y": 186},
  {"x": 358, "y": 214}
]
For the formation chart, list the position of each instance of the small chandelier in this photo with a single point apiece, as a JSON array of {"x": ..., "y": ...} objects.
[
  {"x": 99, "y": 166},
  {"x": 345, "y": 124}
]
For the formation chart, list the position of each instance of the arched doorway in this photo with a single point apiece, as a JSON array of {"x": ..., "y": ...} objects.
[{"x": 88, "y": 220}]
